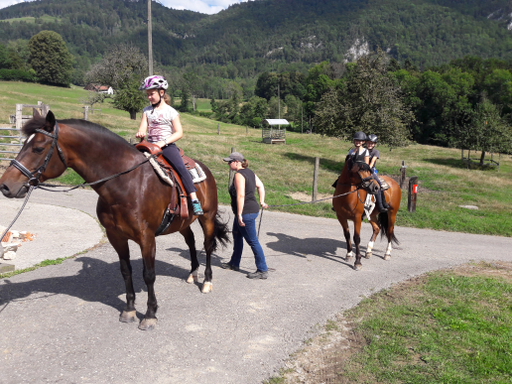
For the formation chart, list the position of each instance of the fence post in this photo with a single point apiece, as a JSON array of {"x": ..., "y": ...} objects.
[
  {"x": 402, "y": 174},
  {"x": 218, "y": 128},
  {"x": 246, "y": 130},
  {"x": 413, "y": 193},
  {"x": 315, "y": 179},
  {"x": 19, "y": 116},
  {"x": 86, "y": 112},
  {"x": 231, "y": 172}
]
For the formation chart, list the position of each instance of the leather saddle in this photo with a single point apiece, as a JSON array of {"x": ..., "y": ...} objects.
[{"x": 177, "y": 205}]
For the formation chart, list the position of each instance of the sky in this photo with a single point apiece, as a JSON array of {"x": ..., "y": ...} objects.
[{"x": 204, "y": 6}]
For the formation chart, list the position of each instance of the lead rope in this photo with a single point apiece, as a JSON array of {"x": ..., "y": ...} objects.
[
  {"x": 19, "y": 212},
  {"x": 307, "y": 202}
]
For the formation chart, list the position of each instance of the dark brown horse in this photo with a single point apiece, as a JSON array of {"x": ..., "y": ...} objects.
[
  {"x": 355, "y": 182},
  {"x": 130, "y": 207}
]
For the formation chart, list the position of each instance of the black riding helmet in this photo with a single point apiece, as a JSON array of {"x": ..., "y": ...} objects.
[
  {"x": 373, "y": 138},
  {"x": 360, "y": 136}
]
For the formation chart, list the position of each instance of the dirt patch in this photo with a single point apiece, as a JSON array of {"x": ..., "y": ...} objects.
[
  {"x": 323, "y": 358},
  {"x": 301, "y": 196}
]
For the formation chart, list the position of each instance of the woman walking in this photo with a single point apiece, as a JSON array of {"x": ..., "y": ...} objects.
[{"x": 246, "y": 209}]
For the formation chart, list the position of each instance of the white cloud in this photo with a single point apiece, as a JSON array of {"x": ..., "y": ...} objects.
[
  {"x": 7, "y": 3},
  {"x": 204, "y": 6}
]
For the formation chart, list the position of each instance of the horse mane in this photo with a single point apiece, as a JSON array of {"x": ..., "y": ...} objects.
[
  {"x": 30, "y": 126},
  {"x": 364, "y": 167},
  {"x": 38, "y": 122}
]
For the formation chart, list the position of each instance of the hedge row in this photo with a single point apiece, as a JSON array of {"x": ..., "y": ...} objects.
[{"x": 17, "y": 75}]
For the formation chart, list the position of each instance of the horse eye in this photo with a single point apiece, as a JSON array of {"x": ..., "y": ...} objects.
[{"x": 37, "y": 150}]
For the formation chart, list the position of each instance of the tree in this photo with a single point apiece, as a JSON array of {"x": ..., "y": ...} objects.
[
  {"x": 367, "y": 101},
  {"x": 489, "y": 131},
  {"x": 129, "y": 98},
  {"x": 119, "y": 67},
  {"x": 50, "y": 58},
  {"x": 123, "y": 68}
]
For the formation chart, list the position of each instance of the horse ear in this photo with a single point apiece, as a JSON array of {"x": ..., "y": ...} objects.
[{"x": 50, "y": 122}]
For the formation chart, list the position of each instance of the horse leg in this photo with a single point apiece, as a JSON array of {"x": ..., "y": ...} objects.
[
  {"x": 191, "y": 242},
  {"x": 390, "y": 233},
  {"x": 346, "y": 233},
  {"x": 208, "y": 224},
  {"x": 357, "y": 241},
  {"x": 148, "y": 248},
  {"x": 121, "y": 246},
  {"x": 369, "y": 247}
]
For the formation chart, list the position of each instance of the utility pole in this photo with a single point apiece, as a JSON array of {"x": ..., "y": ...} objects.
[
  {"x": 150, "y": 40},
  {"x": 279, "y": 103}
]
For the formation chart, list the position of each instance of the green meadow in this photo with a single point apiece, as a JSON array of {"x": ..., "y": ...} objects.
[{"x": 445, "y": 183}]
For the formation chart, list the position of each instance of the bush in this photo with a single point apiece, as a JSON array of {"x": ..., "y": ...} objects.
[{"x": 17, "y": 75}]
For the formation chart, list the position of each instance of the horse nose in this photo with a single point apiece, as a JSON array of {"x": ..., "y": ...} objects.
[{"x": 5, "y": 190}]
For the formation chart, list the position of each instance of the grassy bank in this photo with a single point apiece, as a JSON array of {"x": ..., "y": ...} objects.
[
  {"x": 287, "y": 170},
  {"x": 450, "y": 326}
]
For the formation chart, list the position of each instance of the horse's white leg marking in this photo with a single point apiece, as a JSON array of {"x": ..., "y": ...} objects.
[
  {"x": 387, "y": 256},
  {"x": 350, "y": 254},
  {"x": 369, "y": 249},
  {"x": 192, "y": 278},
  {"x": 207, "y": 287}
]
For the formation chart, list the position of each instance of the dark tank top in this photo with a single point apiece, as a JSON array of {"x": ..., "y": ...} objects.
[{"x": 250, "y": 203}]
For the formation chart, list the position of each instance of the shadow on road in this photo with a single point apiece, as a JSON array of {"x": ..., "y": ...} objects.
[
  {"x": 316, "y": 246},
  {"x": 97, "y": 281}
]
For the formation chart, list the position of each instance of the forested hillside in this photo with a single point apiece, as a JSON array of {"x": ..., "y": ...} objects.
[{"x": 252, "y": 37}]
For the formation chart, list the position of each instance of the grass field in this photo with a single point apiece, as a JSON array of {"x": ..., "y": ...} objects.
[
  {"x": 287, "y": 170},
  {"x": 450, "y": 326},
  {"x": 30, "y": 19}
]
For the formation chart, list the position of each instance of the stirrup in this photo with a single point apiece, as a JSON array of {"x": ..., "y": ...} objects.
[{"x": 196, "y": 208}]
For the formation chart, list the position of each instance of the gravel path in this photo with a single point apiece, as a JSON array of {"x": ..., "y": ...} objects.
[{"x": 60, "y": 323}]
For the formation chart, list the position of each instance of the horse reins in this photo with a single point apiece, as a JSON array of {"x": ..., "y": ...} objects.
[{"x": 33, "y": 177}]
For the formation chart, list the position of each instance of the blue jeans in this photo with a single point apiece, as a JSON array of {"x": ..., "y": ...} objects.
[{"x": 249, "y": 234}]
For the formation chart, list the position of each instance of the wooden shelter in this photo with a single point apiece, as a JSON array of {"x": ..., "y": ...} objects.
[{"x": 272, "y": 132}]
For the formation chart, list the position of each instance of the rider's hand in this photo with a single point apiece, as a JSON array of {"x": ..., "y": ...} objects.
[
  {"x": 264, "y": 206},
  {"x": 140, "y": 134},
  {"x": 241, "y": 221}
]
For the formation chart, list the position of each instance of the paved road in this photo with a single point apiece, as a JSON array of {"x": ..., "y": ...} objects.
[{"x": 59, "y": 323}]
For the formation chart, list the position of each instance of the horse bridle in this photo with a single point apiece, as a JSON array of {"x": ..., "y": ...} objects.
[{"x": 33, "y": 177}]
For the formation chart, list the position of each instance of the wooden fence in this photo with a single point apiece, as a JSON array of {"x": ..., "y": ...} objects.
[{"x": 11, "y": 138}]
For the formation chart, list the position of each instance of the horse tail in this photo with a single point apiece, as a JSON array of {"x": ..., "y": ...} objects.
[
  {"x": 384, "y": 224},
  {"x": 220, "y": 232}
]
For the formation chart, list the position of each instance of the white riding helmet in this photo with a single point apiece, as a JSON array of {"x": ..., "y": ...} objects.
[{"x": 154, "y": 82}]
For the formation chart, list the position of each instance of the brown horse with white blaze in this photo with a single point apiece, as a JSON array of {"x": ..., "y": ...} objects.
[
  {"x": 354, "y": 183},
  {"x": 130, "y": 206}
]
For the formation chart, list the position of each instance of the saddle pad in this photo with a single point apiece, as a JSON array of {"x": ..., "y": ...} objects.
[
  {"x": 196, "y": 173},
  {"x": 384, "y": 185}
]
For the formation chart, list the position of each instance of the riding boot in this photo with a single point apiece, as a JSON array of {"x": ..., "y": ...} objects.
[
  {"x": 335, "y": 183},
  {"x": 378, "y": 197},
  {"x": 384, "y": 202}
]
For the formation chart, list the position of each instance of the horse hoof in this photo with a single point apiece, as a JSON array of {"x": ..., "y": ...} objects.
[
  {"x": 387, "y": 257},
  {"x": 207, "y": 287},
  {"x": 192, "y": 278},
  {"x": 349, "y": 258},
  {"x": 147, "y": 324},
  {"x": 368, "y": 255},
  {"x": 358, "y": 267},
  {"x": 128, "y": 317}
]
